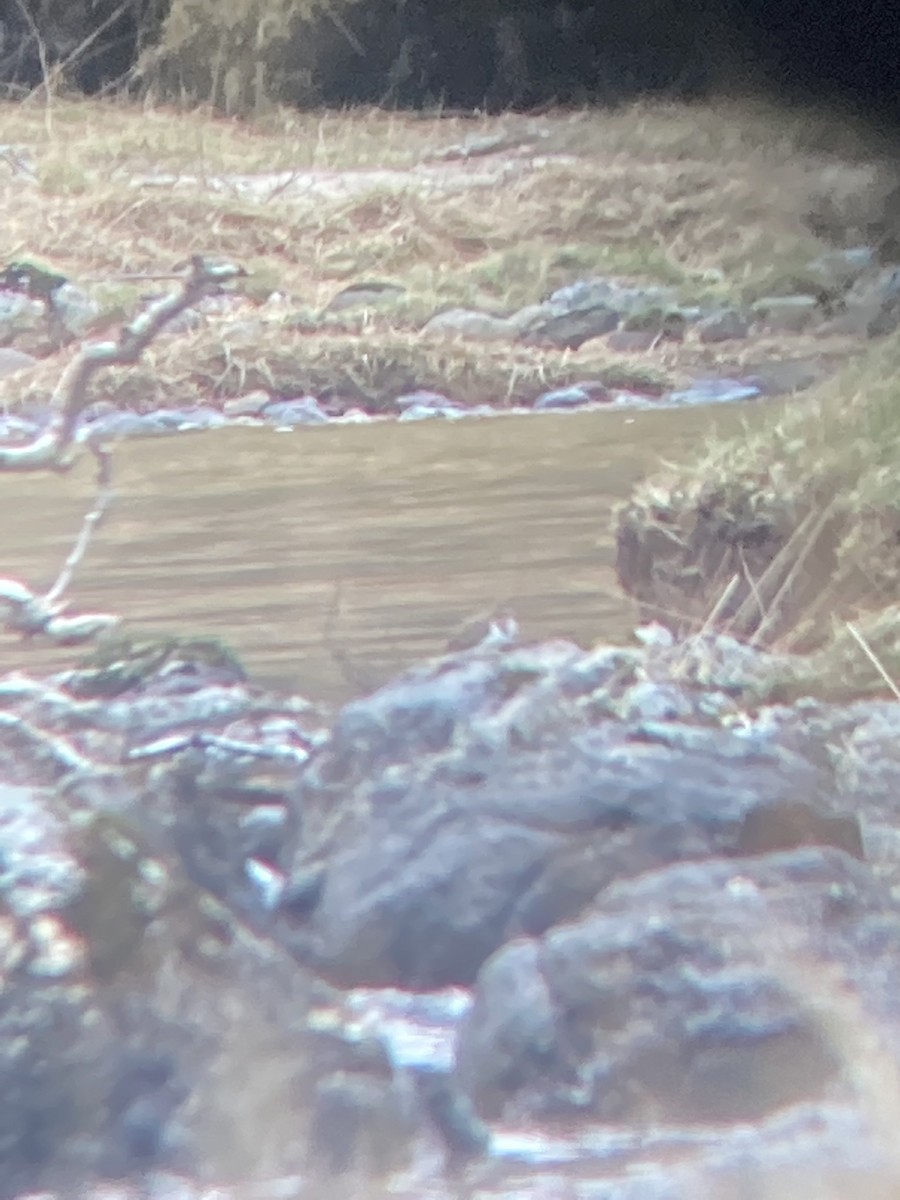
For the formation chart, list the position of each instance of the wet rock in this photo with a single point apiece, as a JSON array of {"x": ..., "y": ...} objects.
[
  {"x": 704, "y": 992},
  {"x": 715, "y": 391},
  {"x": 575, "y": 396},
  {"x": 127, "y": 994},
  {"x": 420, "y": 405},
  {"x": 490, "y": 796},
  {"x": 469, "y": 323},
  {"x": 15, "y": 429},
  {"x": 304, "y": 410},
  {"x": 724, "y": 326},
  {"x": 250, "y": 405}
]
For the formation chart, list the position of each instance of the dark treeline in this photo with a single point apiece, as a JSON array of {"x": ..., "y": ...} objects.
[{"x": 460, "y": 53}]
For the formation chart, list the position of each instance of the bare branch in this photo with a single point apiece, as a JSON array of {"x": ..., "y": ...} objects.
[
  {"x": 21, "y": 609},
  {"x": 53, "y": 449}
]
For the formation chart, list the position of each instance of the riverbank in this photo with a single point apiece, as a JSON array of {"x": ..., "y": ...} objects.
[
  {"x": 488, "y": 261},
  {"x": 528, "y": 917}
]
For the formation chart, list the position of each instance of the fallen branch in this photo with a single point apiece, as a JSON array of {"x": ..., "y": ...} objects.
[
  {"x": 23, "y": 610},
  {"x": 53, "y": 450}
]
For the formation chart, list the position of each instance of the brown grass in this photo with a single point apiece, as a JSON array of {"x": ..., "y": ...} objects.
[{"x": 709, "y": 201}]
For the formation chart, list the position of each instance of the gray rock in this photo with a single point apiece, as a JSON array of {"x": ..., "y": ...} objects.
[
  {"x": 439, "y": 839},
  {"x": 303, "y": 410},
  {"x": 840, "y": 269},
  {"x": 369, "y": 294},
  {"x": 12, "y": 361},
  {"x": 574, "y": 396},
  {"x": 15, "y": 429},
  {"x": 469, "y": 323},
  {"x": 423, "y": 398},
  {"x": 723, "y": 326},
  {"x": 631, "y": 341},
  {"x": 715, "y": 391},
  {"x": 569, "y": 330},
  {"x": 591, "y": 308},
  {"x": 75, "y": 309},
  {"x": 789, "y": 314},
  {"x": 695, "y": 993},
  {"x": 249, "y": 405}
]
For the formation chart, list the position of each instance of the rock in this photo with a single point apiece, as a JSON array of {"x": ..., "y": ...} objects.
[
  {"x": 723, "y": 326},
  {"x": 473, "y": 802},
  {"x": 575, "y": 396},
  {"x": 840, "y": 269},
  {"x": 569, "y": 330},
  {"x": 782, "y": 376},
  {"x": 249, "y": 405},
  {"x": 631, "y": 341},
  {"x": 102, "y": 1045},
  {"x": 668, "y": 323},
  {"x": 368, "y": 294},
  {"x": 702, "y": 992},
  {"x": 464, "y": 1135},
  {"x": 715, "y": 391},
  {"x": 879, "y": 302},
  {"x": 420, "y": 405},
  {"x": 74, "y": 309},
  {"x": 789, "y": 314},
  {"x": 303, "y": 410},
  {"x": 583, "y": 310},
  {"x": 12, "y": 361},
  {"x": 15, "y": 429},
  {"x": 469, "y": 323}
]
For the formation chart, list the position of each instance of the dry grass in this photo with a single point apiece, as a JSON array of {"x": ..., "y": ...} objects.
[
  {"x": 803, "y": 510},
  {"x": 711, "y": 202}
]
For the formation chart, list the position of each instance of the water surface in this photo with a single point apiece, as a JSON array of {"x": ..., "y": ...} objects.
[{"x": 331, "y": 557}]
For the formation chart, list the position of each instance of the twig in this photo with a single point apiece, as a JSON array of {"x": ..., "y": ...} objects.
[
  {"x": 872, "y": 657},
  {"x": 51, "y": 450},
  {"x": 26, "y": 611},
  {"x": 90, "y": 523}
]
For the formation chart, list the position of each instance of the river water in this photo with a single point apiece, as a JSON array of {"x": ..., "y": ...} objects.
[{"x": 331, "y": 557}]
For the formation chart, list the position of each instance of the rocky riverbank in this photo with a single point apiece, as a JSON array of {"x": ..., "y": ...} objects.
[
  {"x": 673, "y": 912},
  {"x": 618, "y": 921}
]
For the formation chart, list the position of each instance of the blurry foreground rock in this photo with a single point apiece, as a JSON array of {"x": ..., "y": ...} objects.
[{"x": 675, "y": 909}]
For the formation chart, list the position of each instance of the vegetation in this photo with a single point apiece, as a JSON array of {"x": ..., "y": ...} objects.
[{"x": 724, "y": 204}]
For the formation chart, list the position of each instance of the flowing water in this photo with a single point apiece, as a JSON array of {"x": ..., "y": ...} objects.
[{"x": 332, "y": 557}]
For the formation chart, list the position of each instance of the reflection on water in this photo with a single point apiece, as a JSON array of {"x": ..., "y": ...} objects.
[{"x": 331, "y": 557}]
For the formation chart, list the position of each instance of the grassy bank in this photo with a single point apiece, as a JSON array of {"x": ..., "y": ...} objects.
[
  {"x": 488, "y": 213},
  {"x": 789, "y": 535}
]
